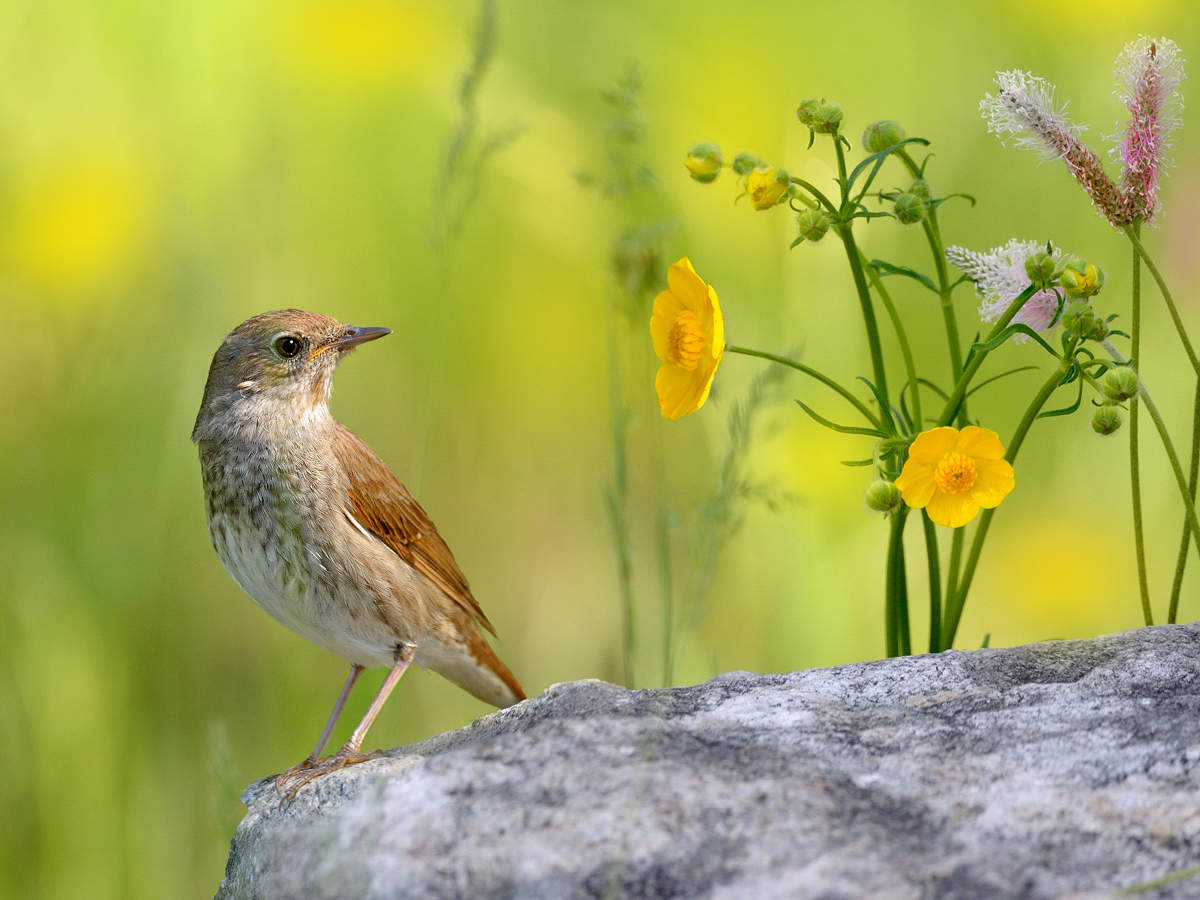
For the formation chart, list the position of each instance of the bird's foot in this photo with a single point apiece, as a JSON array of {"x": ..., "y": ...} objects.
[{"x": 299, "y": 775}]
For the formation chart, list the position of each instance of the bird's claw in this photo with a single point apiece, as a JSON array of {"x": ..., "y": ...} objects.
[{"x": 299, "y": 775}]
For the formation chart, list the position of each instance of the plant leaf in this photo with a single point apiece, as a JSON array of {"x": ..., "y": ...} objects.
[{"x": 887, "y": 268}]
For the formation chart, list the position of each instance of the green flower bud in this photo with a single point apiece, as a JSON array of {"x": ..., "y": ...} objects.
[
  {"x": 745, "y": 163},
  {"x": 920, "y": 187},
  {"x": 910, "y": 208},
  {"x": 1078, "y": 318},
  {"x": 883, "y": 496},
  {"x": 1099, "y": 330},
  {"x": 1120, "y": 383},
  {"x": 827, "y": 118},
  {"x": 806, "y": 112},
  {"x": 704, "y": 162},
  {"x": 813, "y": 223},
  {"x": 1081, "y": 279},
  {"x": 882, "y": 134},
  {"x": 1040, "y": 268},
  {"x": 1106, "y": 420}
]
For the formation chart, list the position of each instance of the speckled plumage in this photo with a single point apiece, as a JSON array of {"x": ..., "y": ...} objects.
[{"x": 314, "y": 526}]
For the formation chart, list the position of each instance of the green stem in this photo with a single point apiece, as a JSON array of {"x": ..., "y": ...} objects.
[
  {"x": 937, "y": 249},
  {"x": 1189, "y": 507},
  {"x": 901, "y": 336},
  {"x": 956, "y": 601},
  {"x": 853, "y": 256},
  {"x": 1193, "y": 473},
  {"x": 896, "y": 634},
  {"x": 1132, "y": 232},
  {"x": 1176, "y": 468},
  {"x": 976, "y": 357},
  {"x": 935, "y": 583},
  {"x": 1135, "y": 475},
  {"x": 810, "y": 371},
  {"x": 956, "y": 550},
  {"x": 868, "y": 312}
]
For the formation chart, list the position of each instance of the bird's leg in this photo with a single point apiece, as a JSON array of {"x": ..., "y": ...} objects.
[
  {"x": 349, "y": 755},
  {"x": 351, "y": 680}
]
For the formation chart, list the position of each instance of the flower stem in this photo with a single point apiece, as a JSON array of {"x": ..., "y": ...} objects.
[
  {"x": 1132, "y": 232},
  {"x": 1189, "y": 506},
  {"x": 896, "y": 631},
  {"x": 1194, "y": 472},
  {"x": 901, "y": 337},
  {"x": 956, "y": 601},
  {"x": 976, "y": 357},
  {"x": 937, "y": 249},
  {"x": 1135, "y": 475},
  {"x": 935, "y": 584},
  {"x": 810, "y": 371},
  {"x": 853, "y": 256},
  {"x": 868, "y": 312}
]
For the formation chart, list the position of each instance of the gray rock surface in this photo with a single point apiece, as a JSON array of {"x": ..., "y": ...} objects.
[{"x": 1063, "y": 769}]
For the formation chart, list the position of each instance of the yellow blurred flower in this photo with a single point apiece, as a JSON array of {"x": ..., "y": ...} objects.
[
  {"x": 953, "y": 473},
  {"x": 356, "y": 43},
  {"x": 766, "y": 186},
  {"x": 75, "y": 221},
  {"x": 689, "y": 337}
]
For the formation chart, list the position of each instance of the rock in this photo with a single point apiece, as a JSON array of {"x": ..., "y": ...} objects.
[{"x": 1055, "y": 770}]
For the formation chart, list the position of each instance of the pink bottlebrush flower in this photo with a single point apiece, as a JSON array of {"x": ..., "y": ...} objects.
[
  {"x": 1025, "y": 107},
  {"x": 999, "y": 276},
  {"x": 1149, "y": 73}
]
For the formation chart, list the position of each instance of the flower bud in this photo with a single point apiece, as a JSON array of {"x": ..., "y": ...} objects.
[
  {"x": 1106, "y": 420},
  {"x": 881, "y": 135},
  {"x": 813, "y": 223},
  {"x": 807, "y": 110},
  {"x": 1120, "y": 383},
  {"x": 920, "y": 187},
  {"x": 1099, "y": 330},
  {"x": 745, "y": 163},
  {"x": 1040, "y": 267},
  {"x": 704, "y": 162},
  {"x": 883, "y": 496},
  {"x": 1081, "y": 279},
  {"x": 1078, "y": 318},
  {"x": 766, "y": 186},
  {"x": 910, "y": 208},
  {"x": 827, "y": 118}
]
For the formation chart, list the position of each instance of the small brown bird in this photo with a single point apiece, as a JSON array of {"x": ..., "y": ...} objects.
[{"x": 318, "y": 531}]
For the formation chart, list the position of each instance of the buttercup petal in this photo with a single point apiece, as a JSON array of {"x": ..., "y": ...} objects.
[
  {"x": 994, "y": 482},
  {"x": 952, "y": 510},
  {"x": 930, "y": 446},
  {"x": 979, "y": 443},
  {"x": 667, "y": 307},
  {"x": 689, "y": 287},
  {"x": 916, "y": 483}
]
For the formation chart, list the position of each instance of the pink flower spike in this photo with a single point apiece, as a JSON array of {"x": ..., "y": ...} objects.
[
  {"x": 1149, "y": 73},
  {"x": 1025, "y": 107},
  {"x": 999, "y": 276}
]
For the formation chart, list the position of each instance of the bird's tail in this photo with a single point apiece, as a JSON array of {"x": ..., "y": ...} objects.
[{"x": 474, "y": 666}]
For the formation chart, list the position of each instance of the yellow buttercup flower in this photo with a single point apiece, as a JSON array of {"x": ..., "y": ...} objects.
[
  {"x": 766, "y": 186},
  {"x": 689, "y": 337},
  {"x": 953, "y": 473}
]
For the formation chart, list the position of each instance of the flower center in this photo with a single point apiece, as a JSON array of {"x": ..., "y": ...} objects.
[
  {"x": 955, "y": 473},
  {"x": 686, "y": 341}
]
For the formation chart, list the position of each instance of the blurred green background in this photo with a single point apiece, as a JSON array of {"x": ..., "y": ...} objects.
[{"x": 167, "y": 170}]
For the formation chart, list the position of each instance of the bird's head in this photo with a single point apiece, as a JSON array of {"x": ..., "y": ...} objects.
[{"x": 275, "y": 368}]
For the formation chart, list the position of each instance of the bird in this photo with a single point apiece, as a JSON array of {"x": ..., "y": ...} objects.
[{"x": 320, "y": 533}]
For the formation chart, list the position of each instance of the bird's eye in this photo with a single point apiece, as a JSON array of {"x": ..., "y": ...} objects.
[{"x": 287, "y": 346}]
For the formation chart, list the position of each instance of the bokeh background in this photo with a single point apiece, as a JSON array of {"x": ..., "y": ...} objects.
[{"x": 167, "y": 170}]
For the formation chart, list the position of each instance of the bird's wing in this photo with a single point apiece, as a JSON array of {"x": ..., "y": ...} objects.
[{"x": 383, "y": 506}]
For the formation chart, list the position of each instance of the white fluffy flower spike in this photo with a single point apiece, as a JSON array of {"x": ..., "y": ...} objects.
[{"x": 999, "y": 276}]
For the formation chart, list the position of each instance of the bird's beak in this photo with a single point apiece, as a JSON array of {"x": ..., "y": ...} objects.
[{"x": 352, "y": 338}]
